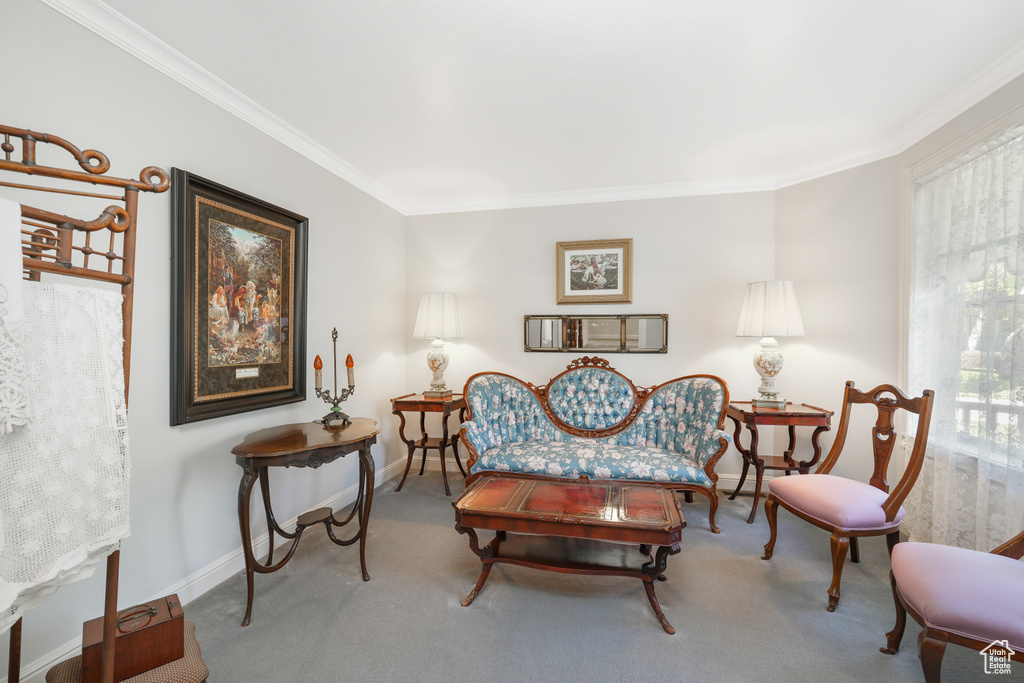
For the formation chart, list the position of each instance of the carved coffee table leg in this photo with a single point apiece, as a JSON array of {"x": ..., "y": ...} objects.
[
  {"x": 479, "y": 584},
  {"x": 485, "y": 554},
  {"x": 655, "y": 570},
  {"x": 649, "y": 587}
]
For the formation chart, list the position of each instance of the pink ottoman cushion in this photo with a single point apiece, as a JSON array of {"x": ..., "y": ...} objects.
[
  {"x": 970, "y": 593},
  {"x": 843, "y": 503}
]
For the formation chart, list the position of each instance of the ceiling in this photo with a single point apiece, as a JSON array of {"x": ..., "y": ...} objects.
[{"x": 452, "y": 105}]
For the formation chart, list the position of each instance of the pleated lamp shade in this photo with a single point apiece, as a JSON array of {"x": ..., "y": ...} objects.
[
  {"x": 438, "y": 317},
  {"x": 770, "y": 309}
]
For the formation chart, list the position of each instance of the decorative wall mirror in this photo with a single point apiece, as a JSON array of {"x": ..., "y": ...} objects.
[{"x": 604, "y": 333}]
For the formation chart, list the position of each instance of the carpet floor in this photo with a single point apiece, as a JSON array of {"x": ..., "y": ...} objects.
[{"x": 737, "y": 618}]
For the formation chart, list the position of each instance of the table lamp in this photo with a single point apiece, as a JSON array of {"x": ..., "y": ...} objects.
[
  {"x": 437, "y": 319},
  {"x": 769, "y": 310}
]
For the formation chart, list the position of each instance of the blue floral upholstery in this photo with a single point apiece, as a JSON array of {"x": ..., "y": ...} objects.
[
  {"x": 594, "y": 459},
  {"x": 591, "y": 398},
  {"x": 671, "y": 439},
  {"x": 505, "y": 411}
]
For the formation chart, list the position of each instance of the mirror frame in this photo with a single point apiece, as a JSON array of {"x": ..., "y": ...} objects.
[{"x": 571, "y": 322}]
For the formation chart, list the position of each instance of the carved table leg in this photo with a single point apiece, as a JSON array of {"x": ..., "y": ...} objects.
[
  {"x": 745, "y": 455},
  {"x": 271, "y": 523},
  {"x": 649, "y": 587},
  {"x": 743, "y": 479},
  {"x": 806, "y": 465},
  {"x": 367, "y": 476},
  {"x": 409, "y": 444},
  {"x": 484, "y": 573},
  {"x": 423, "y": 436},
  {"x": 485, "y": 554},
  {"x": 758, "y": 472},
  {"x": 249, "y": 476},
  {"x": 441, "y": 452},
  {"x": 455, "y": 443},
  {"x": 656, "y": 569}
]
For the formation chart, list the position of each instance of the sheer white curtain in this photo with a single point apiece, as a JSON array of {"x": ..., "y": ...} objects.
[{"x": 967, "y": 343}]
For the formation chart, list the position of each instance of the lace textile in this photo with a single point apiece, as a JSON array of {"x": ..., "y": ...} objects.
[
  {"x": 14, "y": 410},
  {"x": 64, "y": 479}
]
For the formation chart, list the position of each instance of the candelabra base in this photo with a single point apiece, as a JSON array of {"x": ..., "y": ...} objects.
[{"x": 330, "y": 418}]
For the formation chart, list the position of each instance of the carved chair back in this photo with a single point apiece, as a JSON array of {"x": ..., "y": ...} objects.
[{"x": 887, "y": 400}]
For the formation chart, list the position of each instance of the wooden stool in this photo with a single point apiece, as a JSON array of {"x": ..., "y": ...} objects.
[{"x": 188, "y": 669}]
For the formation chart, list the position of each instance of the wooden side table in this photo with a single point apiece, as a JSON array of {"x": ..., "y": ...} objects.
[
  {"x": 792, "y": 416},
  {"x": 423, "y": 405},
  {"x": 307, "y": 444}
]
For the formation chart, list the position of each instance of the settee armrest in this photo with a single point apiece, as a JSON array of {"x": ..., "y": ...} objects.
[
  {"x": 478, "y": 436},
  {"x": 710, "y": 445}
]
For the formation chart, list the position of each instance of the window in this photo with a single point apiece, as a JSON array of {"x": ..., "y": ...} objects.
[{"x": 967, "y": 300}]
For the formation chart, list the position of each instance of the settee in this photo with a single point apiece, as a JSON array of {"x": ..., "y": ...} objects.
[{"x": 592, "y": 422}]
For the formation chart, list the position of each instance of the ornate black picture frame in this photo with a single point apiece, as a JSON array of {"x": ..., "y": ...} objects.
[{"x": 238, "y": 289}]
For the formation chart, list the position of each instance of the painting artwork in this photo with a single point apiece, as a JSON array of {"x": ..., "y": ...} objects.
[
  {"x": 244, "y": 321},
  {"x": 596, "y": 271},
  {"x": 239, "y": 294}
]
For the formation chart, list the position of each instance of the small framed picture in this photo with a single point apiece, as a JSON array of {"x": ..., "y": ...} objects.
[
  {"x": 238, "y": 331},
  {"x": 594, "y": 272}
]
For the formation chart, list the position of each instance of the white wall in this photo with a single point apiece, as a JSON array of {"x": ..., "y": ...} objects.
[
  {"x": 837, "y": 238},
  {"x": 692, "y": 258},
  {"x": 184, "y": 479}
]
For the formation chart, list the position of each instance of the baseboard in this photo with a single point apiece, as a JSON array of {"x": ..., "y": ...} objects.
[
  {"x": 213, "y": 574},
  {"x": 727, "y": 483}
]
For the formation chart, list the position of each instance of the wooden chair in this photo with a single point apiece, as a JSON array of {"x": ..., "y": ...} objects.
[
  {"x": 846, "y": 508},
  {"x": 960, "y": 596}
]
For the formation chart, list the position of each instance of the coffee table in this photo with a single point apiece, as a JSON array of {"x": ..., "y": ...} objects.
[{"x": 572, "y": 526}]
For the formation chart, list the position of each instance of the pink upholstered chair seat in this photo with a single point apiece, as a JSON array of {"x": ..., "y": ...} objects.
[
  {"x": 843, "y": 503},
  {"x": 970, "y": 593}
]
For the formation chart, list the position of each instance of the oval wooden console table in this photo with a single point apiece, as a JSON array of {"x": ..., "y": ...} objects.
[{"x": 308, "y": 444}]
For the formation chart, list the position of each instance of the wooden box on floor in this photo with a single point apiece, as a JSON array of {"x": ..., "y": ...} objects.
[{"x": 148, "y": 636}]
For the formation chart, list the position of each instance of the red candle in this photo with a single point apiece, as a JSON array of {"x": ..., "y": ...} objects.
[
  {"x": 351, "y": 373},
  {"x": 318, "y": 365}
]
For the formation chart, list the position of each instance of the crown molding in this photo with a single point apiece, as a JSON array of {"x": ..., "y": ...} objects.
[
  {"x": 598, "y": 195},
  {"x": 109, "y": 24},
  {"x": 997, "y": 74},
  {"x": 861, "y": 158},
  {"x": 114, "y": 27}
]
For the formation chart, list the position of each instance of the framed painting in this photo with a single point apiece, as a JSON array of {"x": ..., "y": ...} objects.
[
  {"x": 238, "y": 327},
  {"x": 594, "y": 272}
]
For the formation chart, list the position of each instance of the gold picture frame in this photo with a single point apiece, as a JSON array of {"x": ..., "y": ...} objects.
[{"x": 594, "y": 272}]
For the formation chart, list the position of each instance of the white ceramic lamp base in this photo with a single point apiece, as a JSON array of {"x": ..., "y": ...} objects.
[
  {"x": 768, "y": 363},
  {"x": 437, "y": 361}
]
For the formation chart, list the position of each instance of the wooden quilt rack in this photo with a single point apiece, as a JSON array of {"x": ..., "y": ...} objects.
[{"x": 101, "y": 248}]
